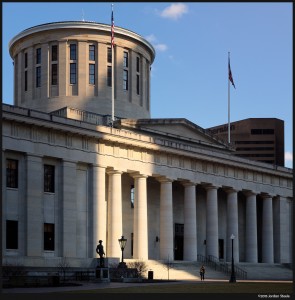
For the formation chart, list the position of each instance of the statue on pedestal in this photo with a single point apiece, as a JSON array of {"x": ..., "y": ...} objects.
[{"x": 100, "y": 252}]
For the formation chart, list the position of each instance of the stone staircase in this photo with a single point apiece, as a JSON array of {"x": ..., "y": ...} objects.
[
  {"x": 184, "y": 270},
  {"x": 264, "y": 271}
]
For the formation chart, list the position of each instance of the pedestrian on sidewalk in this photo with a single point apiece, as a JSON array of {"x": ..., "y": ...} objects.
[{"x": 202, "y": 272}]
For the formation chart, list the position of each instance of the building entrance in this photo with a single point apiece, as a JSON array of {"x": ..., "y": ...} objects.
[{"x": 178, "y": 241}]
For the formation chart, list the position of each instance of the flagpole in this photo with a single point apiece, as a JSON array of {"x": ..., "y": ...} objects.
[
  {"x": 113, "y": 75},
  {"x": 228, "y": 103}
]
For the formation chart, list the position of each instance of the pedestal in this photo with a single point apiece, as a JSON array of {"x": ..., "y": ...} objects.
[{"x": 102, "y": 274}]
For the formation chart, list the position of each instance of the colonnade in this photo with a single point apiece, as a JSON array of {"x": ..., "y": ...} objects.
[{"x": 114, "y": 219}]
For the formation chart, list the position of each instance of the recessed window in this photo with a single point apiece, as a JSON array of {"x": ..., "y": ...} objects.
[
  {"x": 73, "y": 73},
  {"x": 49, "y": 178},
  {"x": 125, "y": 60},
  {"x": 54, "y": 53},
  {"x": 137, "y": 64},
  {"x": 91, "y": 73},
  {"x": 54, "y": 74},
  {"x": 137, "y": 84},
  {"x": 91, "y": 52},
  {"x": 109, "y": 76},
  {"x": 109, "y": 55},
  {"x": 38, "y": 56},
  {"x": 73, "y": 51},
  {"x": 48, "y": 236},
  {"x": 26, "y": 81},
  {"x": 26, "y": 60},
  {"x": 12, "y": 173},
  {"x": 11, "y": 234},
  {"x": 125, "y": 80},
  {"x": 38, "y": 76}
]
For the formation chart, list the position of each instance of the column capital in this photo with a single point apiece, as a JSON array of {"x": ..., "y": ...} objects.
[
  {"x": 188, "y": 183},
  {"x": 266, "y": 195},
  {"x": 229, "y": 190},
  {"x": 164, "y": 179},
  {"x": 209, "y": 186},
  {"x": 249, "y": 193},
  {"x": 111, "y": 172},
  {"x": 138, "y": 175},
  {"x": 98, "y": 166}
]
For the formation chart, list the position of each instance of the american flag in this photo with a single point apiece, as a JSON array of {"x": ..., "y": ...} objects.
[
  {"x": 112, "y": 39},
  {"x": 230, "y": 77}
]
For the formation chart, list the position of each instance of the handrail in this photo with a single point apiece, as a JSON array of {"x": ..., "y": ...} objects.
[{"x": 224, "y": 267}]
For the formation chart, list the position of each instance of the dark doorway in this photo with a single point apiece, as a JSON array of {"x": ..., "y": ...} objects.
[
  {"x": 178, "y": 242},
  {"x": 221, "y": 248}
]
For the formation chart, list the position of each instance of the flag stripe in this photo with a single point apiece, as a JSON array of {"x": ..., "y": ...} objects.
[{"x": 113, "y": 29}]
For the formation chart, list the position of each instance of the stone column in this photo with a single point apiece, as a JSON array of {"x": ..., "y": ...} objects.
[
  {"x": 212, "y": 222},
  {"x": 115, "y": 226},
  {"x": 140, "y": 226},
  {"x": 63, "y": 68},
  {"x": 99, "y": 208},
  {"x": 69, "y": 209},
  {"x": 34, "y": 217},
  {"x": 251, "y": 228},
  {"x": 267, "y": 230},
  {"x": 232, "y": 225},
  {"x": 282, "y": 224},
  {"x": 190, "y": 223},
  {"x": 166, "y": 220}
]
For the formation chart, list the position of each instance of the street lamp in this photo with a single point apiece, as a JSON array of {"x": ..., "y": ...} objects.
[
  {"x": 122, "y": 242},
  {"x": 233, "y": 275}
]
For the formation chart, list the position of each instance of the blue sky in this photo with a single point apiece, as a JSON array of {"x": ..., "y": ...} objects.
[{"x": 189, "y": 76}]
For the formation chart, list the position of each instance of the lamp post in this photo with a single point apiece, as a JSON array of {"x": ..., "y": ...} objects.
[
  {"x": 122, "y": 242},
  {"x": 233, "y": 275}
]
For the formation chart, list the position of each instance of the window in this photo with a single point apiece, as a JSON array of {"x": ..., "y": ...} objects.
[
  {"x": 54, "y": 53},
  {"x": 73, "y": 51},
  {"x": 137, "y": 64},
  {"x": 38, "y": 77},
  {"x": 11, "y": 234},
  {"x": 109, "y": 77},
  {"x": 26, "y": 60},
  {"x": 137, "y": 84},
  {"x": 109, "y": 55},
  {"x": 54, "y": 74},
  {"x": 26, "y": 81},
  {"x": 262, "y": 131},
  {"x": 125, "y": 60},
  {"x": 132, "y": 196},
  {"x": 49, "y": 178},
  {"x": 91, "y": 52},
  {"x": 49, "y": 236},
  {"x": 38, "y": 56},
  {"x": 11, "y": 173},
  {"x": 125, "y": 80},
  {"x": 91, "y": 73},
  {"x": 73, "y": 73}
]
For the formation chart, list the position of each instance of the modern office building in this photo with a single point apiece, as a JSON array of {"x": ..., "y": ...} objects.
[
  {"x": 171, "y": 188},
  {"x": 260, "y": 139}
]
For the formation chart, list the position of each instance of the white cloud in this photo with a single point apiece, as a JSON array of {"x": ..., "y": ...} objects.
[
  {"x": 174, "y": 11},
  {"x": 151, "y": 38},
  {"x": 288, "y": 156},
  {"x": 158, "y": 46},
  {"x": 161, "y": 47}
]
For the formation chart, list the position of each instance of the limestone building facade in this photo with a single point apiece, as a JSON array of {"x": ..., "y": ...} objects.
[{"x": 173, "y": 190}]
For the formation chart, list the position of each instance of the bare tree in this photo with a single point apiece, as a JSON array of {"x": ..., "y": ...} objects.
[
  {"x": 168, "y": 265},
  {"x": 63, "y": 266}
]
